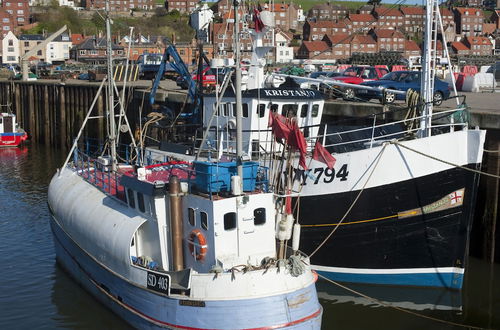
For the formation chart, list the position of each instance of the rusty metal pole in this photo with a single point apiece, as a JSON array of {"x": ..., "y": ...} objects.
[{"x": 176, "y": 222}]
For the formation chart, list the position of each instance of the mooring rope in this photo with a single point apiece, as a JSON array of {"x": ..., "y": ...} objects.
[
  {"x": 377, "y": 301},
  {"x": 352, "y": 204},
  {"x": 444, "y": 161}
]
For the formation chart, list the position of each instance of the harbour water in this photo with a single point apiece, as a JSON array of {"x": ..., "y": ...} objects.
[{"x": 36, "y": 294}]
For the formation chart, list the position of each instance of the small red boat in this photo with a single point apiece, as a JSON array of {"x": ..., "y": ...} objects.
[{"x": 10, "y": 134}]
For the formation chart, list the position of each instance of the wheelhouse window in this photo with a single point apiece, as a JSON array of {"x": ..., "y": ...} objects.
[
  {"x": 261, "y": 110},
  {"x": 130, "y": 198},
  {"x": 289, "y": 110},
  {"x": 140, "y": 202},
  {"x": 303, "y": 111},
  {"x": 244, "y": 110},
  {"x": 230, "y": 221},
  {"x": 274, "y": 108},
  {"x": 315, "y": 110},
  {"x": 191, "y": 217},
  {"x": 204, "y": 220},
  {"x": 259, "y": 216}
]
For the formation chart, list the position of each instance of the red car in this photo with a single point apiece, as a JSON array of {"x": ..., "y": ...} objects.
[
  {"x": 208, "y": 75},
  {"x": 356, "y": 75}
]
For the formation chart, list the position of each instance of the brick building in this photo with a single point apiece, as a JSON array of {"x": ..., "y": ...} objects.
[
  {"x": 6, "y": 21},
  {"x": 469, "y": 21},
  {"x": 328, "y": 11},
  {"x": 340, "y": 45},
  {"x": 285, "y": 15},
  {"x": 182, "y": 6},
  {"x": 413, "y": 18},
  {"x": 411, "y": 49},
  {"x": 121, "y": 5},
  {"x": 19, "y": 10},
  {"x": 363, "y": 44},
  {"x": 389, "y": 18},
  {"x": 93, "y": 51},
  {"x": 317, "y": 30},
  {"x": 459, "y": 48},
  {"x": 388, "y": 39},
  {"x": 478, "y": 45},
  {"x": 317, "y": 50},
  {"x": 360, "y": 23}
]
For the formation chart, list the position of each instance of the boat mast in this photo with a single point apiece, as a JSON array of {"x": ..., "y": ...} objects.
[
  {"x": 111, "y": 101},
  {"x": 428, "y": 65},
  {"x": 239, "y": 107}
]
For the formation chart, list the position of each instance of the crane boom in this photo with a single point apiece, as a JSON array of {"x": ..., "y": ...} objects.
[{"x": 34, "y": 50}]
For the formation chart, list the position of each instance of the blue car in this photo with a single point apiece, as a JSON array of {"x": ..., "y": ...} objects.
[{"x": 401, "y": 80}]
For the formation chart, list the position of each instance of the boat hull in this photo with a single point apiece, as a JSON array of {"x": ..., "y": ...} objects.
[
  {"x": 12, "y": 139},
  {"x": 409, "y": 232},
  {"x": 144, "y": 308}
]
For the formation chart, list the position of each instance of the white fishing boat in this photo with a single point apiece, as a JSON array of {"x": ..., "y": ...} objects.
[{"x": 180, "y": 246}]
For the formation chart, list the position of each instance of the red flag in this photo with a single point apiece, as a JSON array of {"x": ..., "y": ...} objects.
[
  {"x": 322, "y": 155},
  {"x": 280, "y": 126},
  {"x": 298, "y": 142},
  {"x": 257, "y": 21}
]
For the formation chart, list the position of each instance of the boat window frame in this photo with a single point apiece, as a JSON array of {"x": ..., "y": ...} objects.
[
  {"x": 204, "y": 220},
  {"x": 261, "y": 110},
  {"x": 141, "y": 203},
  {"x": 131, "y": 200},
  {"x": 306, "y": 106},
  {"x": 315, "y": 110},
  {"x": 192, "y": 216},
  {"x": 234, "y": 221},
  {"x": 285, "y": 111},
  {"x": 261, "y": 219}
]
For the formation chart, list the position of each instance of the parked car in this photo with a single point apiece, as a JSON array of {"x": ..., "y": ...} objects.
[
  {"x": 357, "y": 75},
  {"x": 495, "y": 69},
  {"x": 402, "y": 81},
  {"x": 208, "y": 78}
]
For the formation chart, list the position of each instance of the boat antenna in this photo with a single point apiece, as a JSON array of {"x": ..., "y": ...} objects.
[
  {"x": 111, "y": 101},
  {"x": 239, "y": 107}
]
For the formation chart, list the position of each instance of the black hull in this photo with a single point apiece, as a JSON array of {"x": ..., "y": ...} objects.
[{"x": 373, "y": 237}]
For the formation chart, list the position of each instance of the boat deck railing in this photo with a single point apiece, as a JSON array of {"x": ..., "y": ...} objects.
[{"x": 349, "y": 134}]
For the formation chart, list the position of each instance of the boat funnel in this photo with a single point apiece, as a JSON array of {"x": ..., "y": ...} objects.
[{"x": 176, "y": 222}]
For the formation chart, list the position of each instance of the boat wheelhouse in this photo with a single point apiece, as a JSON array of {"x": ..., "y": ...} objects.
[{"x": 10, "y": 134}]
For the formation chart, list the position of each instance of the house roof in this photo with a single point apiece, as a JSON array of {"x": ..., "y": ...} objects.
[
  {"x": 445, "y": 11},
  {"x": 337, "y": 39},
  {"x": 459, "y": 46},
  {"x": 411, "y": 45},
  {"x": 478, "y": 41},
  {"x": 384, "y": 11},
  {"x": 469, "y": 11},
  {"x": 363, "y": 39},
  {"x": 315, "y": 46},
  {"x": 31, "y": 37},
  {"x": 361, "y": 18},
  {"x": 328, "y": 6},
  {"x": 387, "y": 33},
  {"x": 95, "y": 43},
  {"x": 417, "y": 10}
]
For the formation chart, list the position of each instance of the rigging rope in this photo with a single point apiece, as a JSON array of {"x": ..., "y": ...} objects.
[
  {"x": 379, "y": 156},
  {"x": 377, "y": 301},
  {"x": 444, "y": 161}
]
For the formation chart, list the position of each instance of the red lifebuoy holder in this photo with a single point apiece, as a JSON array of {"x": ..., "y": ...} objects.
[{"x": 197, "y": 245}]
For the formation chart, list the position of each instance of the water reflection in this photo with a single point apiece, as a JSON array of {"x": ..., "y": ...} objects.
[
  {"x": 77, "y": 309},
  {"x": 412, "y": 298}
]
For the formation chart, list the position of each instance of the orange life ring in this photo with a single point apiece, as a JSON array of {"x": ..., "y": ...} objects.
[{"x": 202, "y": 244}]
